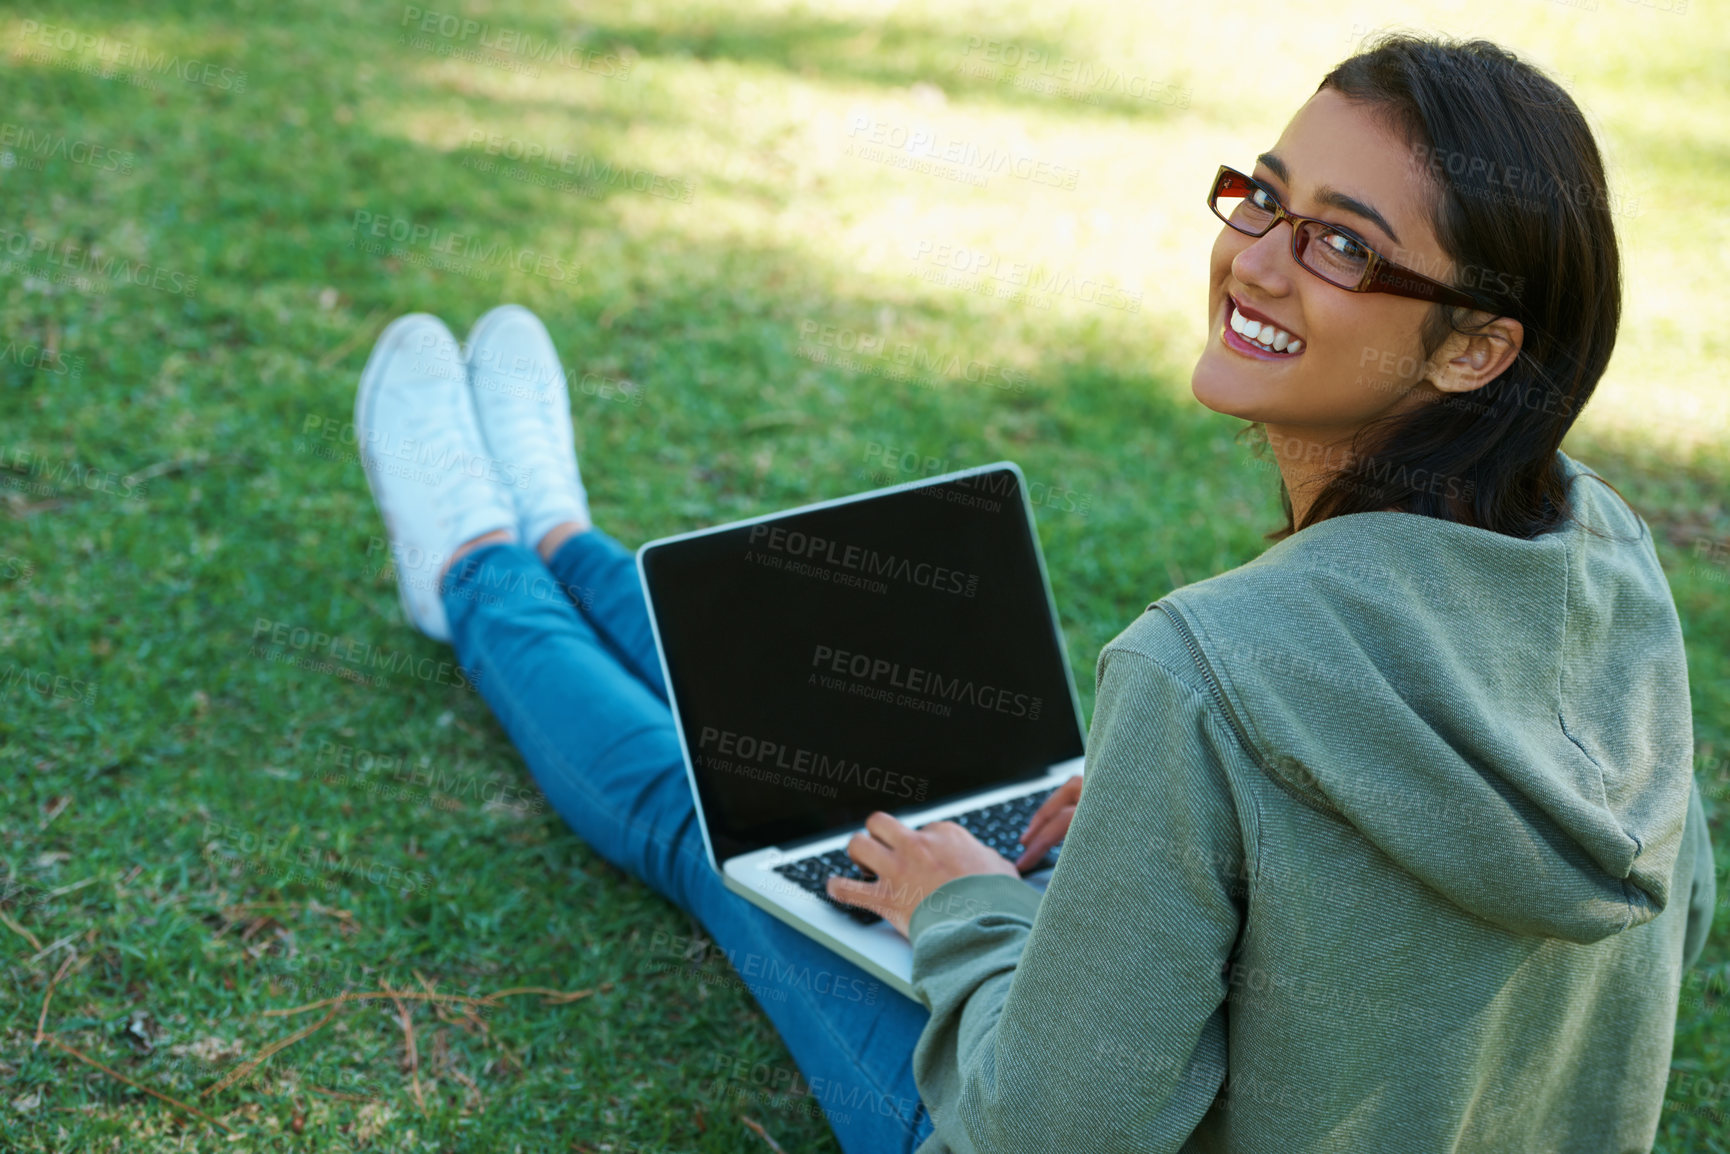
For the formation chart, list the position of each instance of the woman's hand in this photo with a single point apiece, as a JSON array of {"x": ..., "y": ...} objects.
[
  {"x": 910, "y": 863},
  {"x": 1050, "y": 823}
]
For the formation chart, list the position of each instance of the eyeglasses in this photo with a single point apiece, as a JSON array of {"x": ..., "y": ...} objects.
[{"x": 1325, "y": 249}]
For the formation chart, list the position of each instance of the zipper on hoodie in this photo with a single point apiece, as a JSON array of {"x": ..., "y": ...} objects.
[{"x": 1317, "y": 803}]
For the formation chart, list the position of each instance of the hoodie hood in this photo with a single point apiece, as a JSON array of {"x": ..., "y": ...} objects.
[{"x": 1506, "y": 719}]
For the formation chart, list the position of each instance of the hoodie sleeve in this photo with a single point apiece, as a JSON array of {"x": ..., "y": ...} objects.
[
  {"x": 1094, "y": 1018},
  {"x": 1704, "y": 894}
]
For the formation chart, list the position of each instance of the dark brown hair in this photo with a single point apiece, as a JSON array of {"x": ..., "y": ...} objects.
[{"x": 1518, "y": 195}]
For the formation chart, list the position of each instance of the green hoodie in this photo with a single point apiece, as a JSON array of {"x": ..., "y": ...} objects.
[{"x": 1389, "y": 843}]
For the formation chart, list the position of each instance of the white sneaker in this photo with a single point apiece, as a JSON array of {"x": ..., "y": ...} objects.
[
  {"x": 524, "y": 410},
  {"x": 426, "y": 461}
]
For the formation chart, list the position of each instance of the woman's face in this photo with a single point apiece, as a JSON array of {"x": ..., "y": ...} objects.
[{"x": 1340, "y": 378}]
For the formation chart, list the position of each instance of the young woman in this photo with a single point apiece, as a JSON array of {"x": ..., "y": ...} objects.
[{"x": 1389, "y": 840}]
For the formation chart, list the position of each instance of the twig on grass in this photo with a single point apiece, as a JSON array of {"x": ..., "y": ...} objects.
[
  {"x": 479, "y": 1099},
  {"x": 339, "y": 1095},
  {"x": 400, "y": 997},
  {"x": 438, "y": 1007},
  {"x": 62, "y": 891},
  {"x": 249, "y": 1066},
  {"x": 15, "y": 927},
  {"x": 554, "y": 998},
  {"x": 177, "y": 465},
  {"x": 361, "y": 332},
  {"x": 257, "y": 926},
  {"x": 42, "y": 1020},
  {"x": 55, "y": 809},
  {"x": 499, "y": 1045},
  {"x": 175, "y": 1102},
  {"x": 372, "y": 996},
  {"x": 412, "y": 1056},
  {"x": 232, "y": 911},
  {"x": 52, "y": 946},
  {"x": 21, "y": 508},
  {"x": 763, "y": 1134},
  {"x": 42, "y": 1035}
]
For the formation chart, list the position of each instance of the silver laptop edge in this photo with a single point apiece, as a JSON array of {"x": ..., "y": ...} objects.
[{"x": 879, "y": 948}]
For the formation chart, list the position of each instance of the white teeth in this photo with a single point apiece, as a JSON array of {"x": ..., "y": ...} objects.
[{"x": 1270, "y": 336}]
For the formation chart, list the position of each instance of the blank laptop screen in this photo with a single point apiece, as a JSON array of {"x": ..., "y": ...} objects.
[{"x": 882, "y": 653}]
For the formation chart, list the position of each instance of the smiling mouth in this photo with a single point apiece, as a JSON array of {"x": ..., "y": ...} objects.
[{"x": 1257, "y": 338}]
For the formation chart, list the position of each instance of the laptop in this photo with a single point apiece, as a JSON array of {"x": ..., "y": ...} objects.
[{"x": 894, "y": 650}]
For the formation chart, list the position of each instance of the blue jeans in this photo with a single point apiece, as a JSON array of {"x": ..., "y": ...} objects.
[{"x": 564, "y": 655}]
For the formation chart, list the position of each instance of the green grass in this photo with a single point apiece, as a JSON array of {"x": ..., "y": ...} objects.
[{"x": 162, "y": 493}]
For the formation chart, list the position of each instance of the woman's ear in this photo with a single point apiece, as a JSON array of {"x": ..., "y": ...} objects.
[{"x": 1473, "y": 359}]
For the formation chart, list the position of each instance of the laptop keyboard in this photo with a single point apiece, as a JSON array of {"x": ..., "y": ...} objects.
[{"x": 999, "y": 826}]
